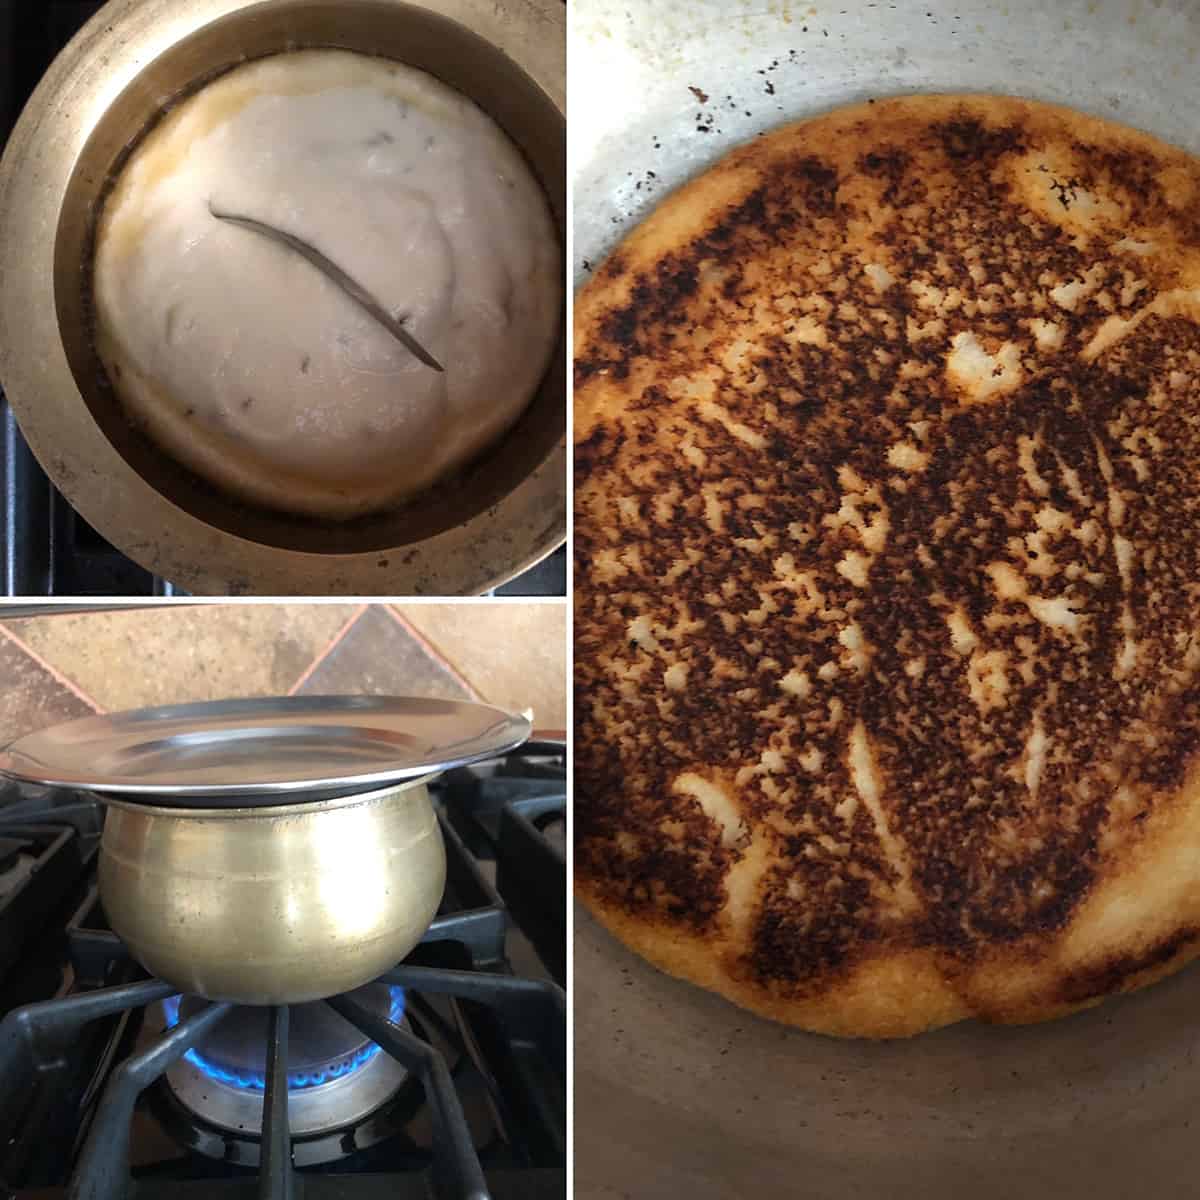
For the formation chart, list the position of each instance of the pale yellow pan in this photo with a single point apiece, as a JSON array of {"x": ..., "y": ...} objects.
[{"x": 888, "y": 544}]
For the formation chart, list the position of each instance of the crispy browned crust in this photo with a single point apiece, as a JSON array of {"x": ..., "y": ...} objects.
[{"x": 887, "y": 569}]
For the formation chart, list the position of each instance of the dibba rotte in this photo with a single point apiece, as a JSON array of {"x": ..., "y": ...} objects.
[{"x": 887, "y": 569}]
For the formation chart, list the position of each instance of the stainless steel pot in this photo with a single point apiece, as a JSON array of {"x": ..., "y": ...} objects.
[
  {"x": 273, "y": 905},
  {"x": 678, "y": 1093},
  {"x": 500, "y": 516}
]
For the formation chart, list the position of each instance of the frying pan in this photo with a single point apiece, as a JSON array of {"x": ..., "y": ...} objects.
[{"x": 677, "y": 1092}]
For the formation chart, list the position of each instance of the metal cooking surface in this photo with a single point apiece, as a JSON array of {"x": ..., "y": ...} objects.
[
  {"x": 298, "y": 746},
  {"x": 678, "y": 1092}
]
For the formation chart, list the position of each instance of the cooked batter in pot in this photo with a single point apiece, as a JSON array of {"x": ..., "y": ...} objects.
[
  {"x": 888, "y": 570},
  {"x": 246, "y": 363}
]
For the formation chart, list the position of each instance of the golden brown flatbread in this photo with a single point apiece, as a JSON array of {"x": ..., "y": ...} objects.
[{"x": 888, "y": 569}]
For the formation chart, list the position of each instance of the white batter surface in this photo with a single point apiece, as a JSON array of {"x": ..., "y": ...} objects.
[{"x": 245, "y": 363}]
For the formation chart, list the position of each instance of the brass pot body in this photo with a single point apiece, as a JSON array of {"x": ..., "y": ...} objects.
[{"x": 274, "y": 905}]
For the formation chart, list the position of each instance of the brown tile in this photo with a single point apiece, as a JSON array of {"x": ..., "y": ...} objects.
[
  {"x": 379, "y": 657},
  {"x": 171, "y": 653},
  {"x": 513, "y": 655},
  {"x": 31, "y": 697}
]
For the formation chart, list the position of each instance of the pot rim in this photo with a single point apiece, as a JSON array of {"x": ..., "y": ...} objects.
[
  {"x": 269, "y": 812},
  {"x": 99, "y": 65}
]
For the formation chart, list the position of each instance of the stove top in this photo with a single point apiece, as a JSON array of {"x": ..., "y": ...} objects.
[
  {"x": 46, "y": 548},
  {"x": 446, "y": 1077}
]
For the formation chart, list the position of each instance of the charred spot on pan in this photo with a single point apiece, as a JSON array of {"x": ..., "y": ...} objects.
[
  {"x": 683, "y": 880},
  {"x": 1167, "y": 763},
  {"x": 600, "y": 447},
  {"x": 651, "y": 397},
  {"x": 652, "y": 304},
  {"x": 791, "y": 944},
  {"x": 1129, "y": 168},
  {"x": 677, "y": 280},
  {"x": 613, "y": 266},
  {"x": 732, "y": 284},
  {"x": 888, "y": 161},
  {"x": 969, "y": 140},
  {"x": 584, "y": 369},
  {"x": 1066, "y": 190},
  {"x": 819, "y": 183},
  {"x": 620, "y": 327},
  {"x": 1108, "y": 976}
]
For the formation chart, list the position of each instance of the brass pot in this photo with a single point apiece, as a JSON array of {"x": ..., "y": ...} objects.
[
  {"x": 503, "y": 514},
  {"x": 273, "y": 905}
]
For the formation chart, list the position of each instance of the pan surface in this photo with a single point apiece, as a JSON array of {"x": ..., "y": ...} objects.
[{"x": 678, "y": 1092}]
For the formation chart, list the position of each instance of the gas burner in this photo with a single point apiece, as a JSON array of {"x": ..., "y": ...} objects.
[
  {"x": 335, "y": 1104},
  {"x": 336, "y": 1075},
  {"x": 324, "y": 1047}
]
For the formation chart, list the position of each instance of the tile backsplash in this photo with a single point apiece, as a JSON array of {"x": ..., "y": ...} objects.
[{"x": 66, "y": 664}]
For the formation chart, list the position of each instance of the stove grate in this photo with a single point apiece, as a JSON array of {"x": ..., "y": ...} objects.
[
  {"x": 513, "y": 812},
  {"x": 33, "y": 1038}
]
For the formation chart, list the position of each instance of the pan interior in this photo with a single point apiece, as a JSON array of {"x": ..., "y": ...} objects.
[{"x": 407, "y": 34}]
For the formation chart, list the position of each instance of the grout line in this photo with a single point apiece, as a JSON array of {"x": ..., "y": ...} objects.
[
  {"x": 50, "y": 669},
  {"x": 337, "y": 637},
  {"x": 434, "y": 653}
]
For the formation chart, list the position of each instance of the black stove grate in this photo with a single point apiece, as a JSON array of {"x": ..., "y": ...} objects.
[
  {"x": 80, "y": 1070},
  {"x": 33, "y": 1040},
  {"x": 513, "y": 813},
  {"x": 46, "y": 548}
]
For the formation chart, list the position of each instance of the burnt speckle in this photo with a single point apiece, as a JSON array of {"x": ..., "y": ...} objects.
[
  {"x": 970, "y": 140},
  {"x": 1066, "y": 190},
  {"x": 700, "y": 95},
  {"x": 928, "y": 631},
  {"x": 1107, "y": 977}
]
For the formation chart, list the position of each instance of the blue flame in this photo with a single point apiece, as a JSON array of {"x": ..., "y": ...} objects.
[{"x": 295, "y": 1080}]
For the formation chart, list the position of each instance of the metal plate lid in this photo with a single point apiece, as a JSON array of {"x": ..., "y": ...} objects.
[{"x": 267, "y": 751}]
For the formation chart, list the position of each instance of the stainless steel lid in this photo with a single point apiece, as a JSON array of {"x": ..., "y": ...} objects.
[{"x": 264, "y": 751}]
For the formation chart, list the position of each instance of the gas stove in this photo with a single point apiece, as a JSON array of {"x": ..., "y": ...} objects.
[
  {"x": 446, "y": 1077},
  {"x": 46, "y": 548}
]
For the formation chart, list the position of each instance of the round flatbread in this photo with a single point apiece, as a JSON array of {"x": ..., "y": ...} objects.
[
  {"x": 888, "y": 569},
  {"x": 249, "y": 365}
]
